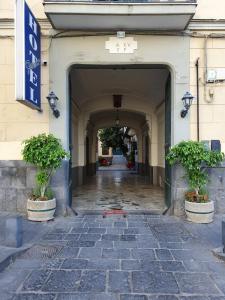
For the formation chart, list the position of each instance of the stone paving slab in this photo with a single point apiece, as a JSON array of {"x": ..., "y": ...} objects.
[{"x": 137, "y": 258}]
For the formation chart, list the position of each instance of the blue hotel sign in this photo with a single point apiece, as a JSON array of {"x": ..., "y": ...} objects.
[{"x": 28, "y": 57}]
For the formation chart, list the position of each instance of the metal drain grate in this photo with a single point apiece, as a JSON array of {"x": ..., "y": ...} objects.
[{"x": 41, "y": 252}]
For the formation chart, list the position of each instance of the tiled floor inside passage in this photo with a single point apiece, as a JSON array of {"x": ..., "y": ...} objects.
[
  {"x": 117, "y": 189},
  {"x": 141, "y": 257}
]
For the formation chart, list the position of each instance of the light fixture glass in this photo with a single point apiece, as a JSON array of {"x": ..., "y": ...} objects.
[
  {"x": 117, "y": 121},
  {"x": 52, "y": 100},
  {"x": 187, "y": 100}
]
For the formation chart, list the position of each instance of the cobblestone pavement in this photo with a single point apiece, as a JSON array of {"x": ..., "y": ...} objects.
[{"x": 140, "y": 257}]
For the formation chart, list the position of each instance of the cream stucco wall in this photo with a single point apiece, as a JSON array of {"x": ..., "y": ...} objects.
[
  {"x": 17, "y": 122},
  {"x": 212, "y": 110},
  {"x": 7, "y": 8},
  {"x": 210, "y": 9},
  {"x": 207, "y": 9}
]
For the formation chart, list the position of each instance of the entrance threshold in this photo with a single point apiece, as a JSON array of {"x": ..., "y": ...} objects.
[{"x": 129, "y": 212}]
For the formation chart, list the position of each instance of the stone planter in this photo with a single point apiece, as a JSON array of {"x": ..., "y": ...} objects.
[
  {"x": 199, "y": 212},
  {"x": 41, "y": 210}
]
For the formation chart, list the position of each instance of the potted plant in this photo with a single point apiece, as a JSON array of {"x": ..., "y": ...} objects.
[
  {"x": 103, "y": 162},
  {"x": 46, "y": 153},
  {"x": 195, "y": 158},
  {"x": 131, "y": 160}
]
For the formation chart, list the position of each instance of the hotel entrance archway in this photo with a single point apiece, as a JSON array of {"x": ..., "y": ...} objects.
[
  {"x": 143, "y": 91},
  {"x": 153, "y": 51}
]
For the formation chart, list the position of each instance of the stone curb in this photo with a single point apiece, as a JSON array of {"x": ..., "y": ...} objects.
[
  {"x": 218, "y": 252},
  {"x": 128, "y": 212},
  {"x": 8, "y": 259}
]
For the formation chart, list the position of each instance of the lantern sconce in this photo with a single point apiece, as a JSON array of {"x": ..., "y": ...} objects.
[
  {"x": 187, "y": 102},
  {"x": 117, "y": 121},
  {"x": 52, "y": 100},
  {"x": 117, "y": 103}
]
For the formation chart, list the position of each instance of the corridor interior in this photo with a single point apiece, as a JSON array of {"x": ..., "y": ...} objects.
[
  {"x": 120, "y": 190},
  {"x": 142, "y": 94}
]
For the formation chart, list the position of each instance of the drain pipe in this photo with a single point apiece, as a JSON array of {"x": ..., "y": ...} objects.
[{"x": 197, "y": 84}]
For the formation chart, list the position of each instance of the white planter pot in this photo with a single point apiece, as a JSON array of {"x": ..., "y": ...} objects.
[
  {"x": 41, "y": 210},
  {"x": 199, "y": 212}
]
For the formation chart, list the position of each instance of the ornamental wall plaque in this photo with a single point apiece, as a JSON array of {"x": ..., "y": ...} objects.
[{"x": 124, "y": 45}]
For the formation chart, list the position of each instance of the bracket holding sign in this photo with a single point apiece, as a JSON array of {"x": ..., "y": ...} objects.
[{"x": 27, "y": 56}]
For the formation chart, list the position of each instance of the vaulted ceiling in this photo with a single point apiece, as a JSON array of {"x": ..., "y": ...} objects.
[{"x": 146, "y": 84}]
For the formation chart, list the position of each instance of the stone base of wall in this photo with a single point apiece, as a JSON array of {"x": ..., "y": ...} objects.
[
  {"x": 143, "y": 169},
  {"x": 81, "y": 173},
  {"x": 161, "y": 176},
  {"x": 77, "y": 176},
  {"x": 156, "y": 174},
  {"x": 16, "y": 184},
  {"x": 17, "y": 180},
  {"x": 91, "y": 169},
  {"x": 216, "y": 189}
]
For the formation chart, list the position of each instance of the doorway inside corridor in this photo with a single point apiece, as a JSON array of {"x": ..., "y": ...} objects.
[{"x": 132, "y": 104}]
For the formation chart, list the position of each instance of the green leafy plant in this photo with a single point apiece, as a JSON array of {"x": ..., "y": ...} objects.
[
  {"x": 131, "y": 157},
  {"x": 113, "y": 137},
  {"x": 195, "y": 159},
  {"x": 36, "y": 194},
  {"x": 46, "y": 153}
]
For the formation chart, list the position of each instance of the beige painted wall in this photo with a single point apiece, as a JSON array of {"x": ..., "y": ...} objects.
[
  {"x": 206, "y": 9},
  {"x": 17, "y": 122},
  {"x": 212, "y": 110},
  {"x": 210, "y": 9},
  {"x": 7, "y": 8}
]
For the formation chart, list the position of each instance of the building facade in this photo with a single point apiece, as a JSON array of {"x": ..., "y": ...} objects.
[{"x": 151, "y": 53}]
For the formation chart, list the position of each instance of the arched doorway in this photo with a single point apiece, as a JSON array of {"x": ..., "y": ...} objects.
[
  {"x": 143, "y": 90},
  {"x": 153, "y": 52}
]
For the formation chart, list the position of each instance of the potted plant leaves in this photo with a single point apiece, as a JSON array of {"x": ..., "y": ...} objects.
[
  {"x": 103, "y": 162},
  {"x": 131, "y": 160},
  {"x": 195, "y": 158},
  {"x": 46, "y": 153}
]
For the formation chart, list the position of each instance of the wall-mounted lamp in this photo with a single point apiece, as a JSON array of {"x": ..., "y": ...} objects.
[
  {"x": 117, "y": 103},
  {"x": 187, "y": 101},
  {"x": 52, "y": 100},
  {"x": 117, "y": 121}
]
